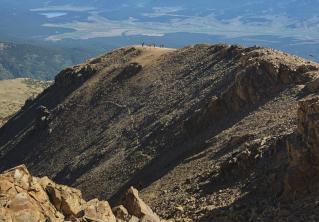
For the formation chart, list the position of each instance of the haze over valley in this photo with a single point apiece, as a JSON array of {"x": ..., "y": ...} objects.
[{"x": 289, "y": 25}]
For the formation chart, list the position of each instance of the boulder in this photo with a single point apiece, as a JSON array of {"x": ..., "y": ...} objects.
[
  {"x": 65, "y": 199},
  {"x": 121, "y": 213},
  {"x": 96, "y": 210},
  {"x": 22, "y": 208},
  {"x": 136, "y": 206}
]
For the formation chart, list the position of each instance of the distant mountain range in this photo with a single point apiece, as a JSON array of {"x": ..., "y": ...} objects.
[{"x": 289, "y": 25}]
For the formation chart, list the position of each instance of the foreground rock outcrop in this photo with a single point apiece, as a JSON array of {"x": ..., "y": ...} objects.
[{"x": 24, "y": 198}]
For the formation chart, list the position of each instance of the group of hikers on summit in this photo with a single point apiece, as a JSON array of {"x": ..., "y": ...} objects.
[{"x": 152, "y": 45}]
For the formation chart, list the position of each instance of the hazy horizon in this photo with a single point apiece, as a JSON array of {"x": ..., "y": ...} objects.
[{"x": 289, "y": 25}]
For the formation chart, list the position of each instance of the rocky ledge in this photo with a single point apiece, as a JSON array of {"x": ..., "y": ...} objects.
[
  {"x": 27, "y": 198},
  {"x": 303, "y": 150}
]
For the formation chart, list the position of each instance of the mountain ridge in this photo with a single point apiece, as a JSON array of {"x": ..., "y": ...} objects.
[{"x": 169, "y": 126}]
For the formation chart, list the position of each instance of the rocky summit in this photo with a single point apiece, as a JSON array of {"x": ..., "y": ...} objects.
[{"x": 205, "y": 133}]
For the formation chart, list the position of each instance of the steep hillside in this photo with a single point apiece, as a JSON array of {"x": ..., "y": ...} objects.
[
  {"x": 201, "y": 130},
  {"x": 38, "y": 62},
  {"x": 14, "y": 93}
]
